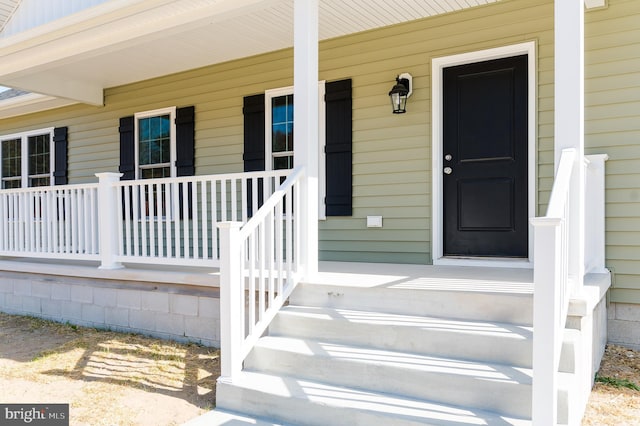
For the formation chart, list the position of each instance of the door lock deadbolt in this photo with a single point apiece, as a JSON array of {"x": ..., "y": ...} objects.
[{"x": 448, "y": 157}]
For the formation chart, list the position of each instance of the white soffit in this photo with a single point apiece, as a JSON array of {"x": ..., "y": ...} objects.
[
  {"x": 123, "y": 41},
  {"x": 7, "y": 8}
]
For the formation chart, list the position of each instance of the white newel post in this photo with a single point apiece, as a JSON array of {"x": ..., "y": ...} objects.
[
  {"x": 108, "y": 216},
  {"x": 231, "y": 301},
  {"x": 547, "y": 250},
  {"x": 305, "y": 92},
  {"x": 595, "y": 214},
  {"x": 569, "y": 119}
]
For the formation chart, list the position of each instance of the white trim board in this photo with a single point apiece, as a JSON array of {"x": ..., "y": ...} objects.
[{"x": 437, "y": 66}]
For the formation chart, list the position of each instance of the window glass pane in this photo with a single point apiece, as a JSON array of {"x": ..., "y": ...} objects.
[
  {"x": 11, "y": 183},
  {"x": 279, "y": 138},
  {"x": 280, "y": 163},
  {"x": 156, "y": 172},
  {"x": 11, "y": 159},
  {"x": 39, "y": 181},
  {"x": 39, "y": 155},
  {"x": 279, "y": 109},
  {"x": 282, "y": 124},
  {"x": 290, "y": 136},
  {"x": 154, "y": 139}
]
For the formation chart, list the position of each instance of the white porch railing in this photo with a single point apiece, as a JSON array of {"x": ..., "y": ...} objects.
[
  {"x": 552, "y": 288},
  {"x": 50, "y": 222},
  {"x": 259, "y": 269},
  {"x": 173, "y": 220},
  {"x": 168, "y": 221}
]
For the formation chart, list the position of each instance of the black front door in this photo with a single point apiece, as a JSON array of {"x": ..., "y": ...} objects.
[{"x": 485, "y": 159}]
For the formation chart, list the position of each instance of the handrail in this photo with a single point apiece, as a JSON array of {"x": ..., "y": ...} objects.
[
  {"x": 277, "y": 195},
  {"x": 202, "y": 178},
  {"x": 560, "y": 190},
  {"x": 552, "y": 288},
  {"x": 259, "y": 268},
  {"x": 50, "y": 188}
]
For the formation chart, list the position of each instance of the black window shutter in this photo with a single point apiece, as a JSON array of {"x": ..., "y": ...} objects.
[
  {"x": 127, "y": 148},
  {"x": 185, "y": 151},
  {"x": 338, "y": 148},
  {"x": 60, "y": 152},
  {"x": 253, "y": 111},
  {"x": 254, "y": 153},
  {"x": 185, "y": 141}
]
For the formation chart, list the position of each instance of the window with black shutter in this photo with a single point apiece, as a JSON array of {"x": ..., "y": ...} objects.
[
  {"x": 269, "y": 145},
  {"x": 158, "y": 143}
]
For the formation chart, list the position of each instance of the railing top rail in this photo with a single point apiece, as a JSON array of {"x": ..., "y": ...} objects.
[
  {"x": 50, "y": 188},
  {"x": 561, "y": 184},
  {"x": 202, "y": 178},
  {"x": 270, "y": 203}
]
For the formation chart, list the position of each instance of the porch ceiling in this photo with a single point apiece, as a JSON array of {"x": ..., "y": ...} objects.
[
  {"x": 7, "y": 7},
  {"x": 123, "y": 41}
]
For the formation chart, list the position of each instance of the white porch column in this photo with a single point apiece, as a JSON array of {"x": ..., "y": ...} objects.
[
  {"x": 305, "y": 130},
  {"x": 569, "y": 118}
]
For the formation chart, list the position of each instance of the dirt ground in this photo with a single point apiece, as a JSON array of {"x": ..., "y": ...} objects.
[
  {"x": 124, "y": 379},
  {"x": 615, "y": 398},
  {"x": 107, "y": 378}
]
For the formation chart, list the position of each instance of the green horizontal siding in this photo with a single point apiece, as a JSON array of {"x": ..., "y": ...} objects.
[{"x": 612, "y": 114}]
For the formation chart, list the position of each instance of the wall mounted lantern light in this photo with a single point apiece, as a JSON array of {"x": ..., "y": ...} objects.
[{"x": 400, "y": 92}]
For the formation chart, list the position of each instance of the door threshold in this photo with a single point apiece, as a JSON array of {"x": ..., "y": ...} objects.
[{"x": 489, "y": 262}]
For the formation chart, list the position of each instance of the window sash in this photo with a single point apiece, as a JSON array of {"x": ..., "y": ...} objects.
[
  {"x": 33, "y": 159},
  {"x": 155, "y": 140}
]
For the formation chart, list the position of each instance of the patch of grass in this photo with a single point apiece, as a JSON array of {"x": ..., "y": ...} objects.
[{"x": 617, "y": 383}]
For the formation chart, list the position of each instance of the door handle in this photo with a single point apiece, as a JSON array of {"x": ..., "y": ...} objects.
[{"x": 447, "y": 170}]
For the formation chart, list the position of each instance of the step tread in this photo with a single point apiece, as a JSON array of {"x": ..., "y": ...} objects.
[
  {"x": 387, "y": 405},
  {"x": 449, "y": 301},
  {"x": 479, "y": 327},
  {"x": 223, "y": 417},
  {"x": 404, "y": 360}
]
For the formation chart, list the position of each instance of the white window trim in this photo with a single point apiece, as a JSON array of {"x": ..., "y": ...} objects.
[
  {"x": 172, "y": 153},
  {"x": 24, "y": 153},
  {"x": 322, "y": 182}
]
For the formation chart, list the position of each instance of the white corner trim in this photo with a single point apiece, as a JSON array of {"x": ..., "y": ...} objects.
[{"x": 437, "y": 67}]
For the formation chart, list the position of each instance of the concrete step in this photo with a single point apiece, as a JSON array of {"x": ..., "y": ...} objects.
[
  {"x": 313, "y": 403},
  {"x": 443, "y": 380},
  {"x": 220, "y": 417},
  {"x": 461, "y": 339},
  {"x": 505, "y": 307}
]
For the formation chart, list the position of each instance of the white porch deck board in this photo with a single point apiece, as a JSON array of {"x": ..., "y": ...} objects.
[
  {"x": 426, "y": 277},
  {"x": 158, "y": 273},
  {"x": 348, "y": 274}
]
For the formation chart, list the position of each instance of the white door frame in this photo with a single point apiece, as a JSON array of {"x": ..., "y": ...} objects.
[{"x": 437, "y": 66}]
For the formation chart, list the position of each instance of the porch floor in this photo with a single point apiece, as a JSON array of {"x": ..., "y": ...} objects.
[{"x": 349, "y": 274}]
